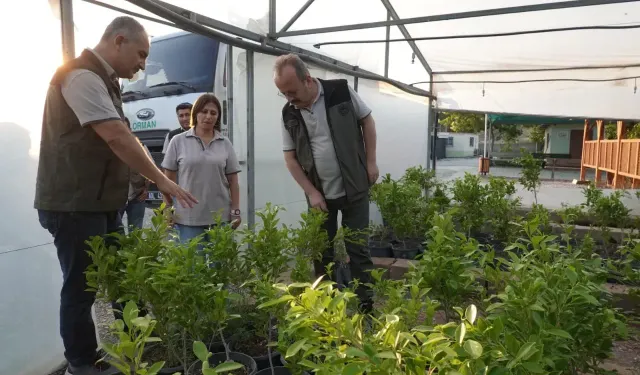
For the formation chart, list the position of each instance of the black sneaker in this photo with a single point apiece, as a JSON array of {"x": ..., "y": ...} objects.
[{"x": 99, "y": 368}]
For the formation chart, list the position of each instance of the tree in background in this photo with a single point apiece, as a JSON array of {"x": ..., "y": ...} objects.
[
  {"x": 460, "y": 122},
  {"x": 536, "y": 135}
]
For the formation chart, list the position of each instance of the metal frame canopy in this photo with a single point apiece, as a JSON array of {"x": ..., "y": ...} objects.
[{"x": 567, "y": 58}]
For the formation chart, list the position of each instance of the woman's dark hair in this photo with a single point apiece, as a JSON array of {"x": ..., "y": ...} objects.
[{"x": 199, "y": 105}]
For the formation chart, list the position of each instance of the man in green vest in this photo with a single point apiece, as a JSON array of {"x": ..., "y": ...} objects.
[
  {"x": 329, "y": 139},
  {"x": 83, "y": 172}
]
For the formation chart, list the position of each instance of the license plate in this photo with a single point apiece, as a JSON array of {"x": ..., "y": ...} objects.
[{"x": 155, "y": 196}]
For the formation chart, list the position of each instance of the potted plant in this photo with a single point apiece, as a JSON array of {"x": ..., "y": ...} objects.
[
  {"x": 405, "y": 215},
  {"x": 308, "y": 242},
  {"x": 380, "y": 242},
  {"x": 267, "y": 254},
  {"x": 132, "y": 333}
]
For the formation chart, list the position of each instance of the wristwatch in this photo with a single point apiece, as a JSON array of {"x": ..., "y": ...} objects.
[{"x": 235, "y": 212}]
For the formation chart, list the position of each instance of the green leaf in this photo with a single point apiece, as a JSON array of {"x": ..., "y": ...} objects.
[
  {"x": 295, "y": 348},
  {"x": 560, "y": 333},
  {"x": 206, "y": 371},
  {"x": 473, "y": 348},
  {"x": 353, "y": 369},
  {"x": 355, "y": 352},
  {"x": 471, "y": 313},
  {"x": 153, "y": 370},
  {"x": 526, "y": 351},
  {"x": 200, "y": 350},
  {"x": 227, "y": 366},
  {"x": 387, "y": 355},
  {"x": 280, "y": 300},
  {"x": 461, "y": 331},
  {"x": 533, "y": 367}
]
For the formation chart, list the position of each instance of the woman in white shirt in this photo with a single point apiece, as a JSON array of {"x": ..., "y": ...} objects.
[{"x": 203, "y": 161}]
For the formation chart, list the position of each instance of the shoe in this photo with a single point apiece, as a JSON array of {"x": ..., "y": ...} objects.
[{"x": 100, "y": 368}]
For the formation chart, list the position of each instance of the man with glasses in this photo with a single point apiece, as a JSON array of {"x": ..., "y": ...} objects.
[{"x": 329, "y": 141}]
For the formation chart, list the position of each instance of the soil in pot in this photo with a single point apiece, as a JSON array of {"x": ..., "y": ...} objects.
[
  {"x": 380, "y": 248},
  {"x": 277, "y": 370},
  {"x": 407, "y": 249},
  {"x": 249, "y": 368},
  {"x": 256, "y": 347}
]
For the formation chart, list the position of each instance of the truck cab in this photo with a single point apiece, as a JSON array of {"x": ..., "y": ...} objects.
[{"x": 180, "y": 67}]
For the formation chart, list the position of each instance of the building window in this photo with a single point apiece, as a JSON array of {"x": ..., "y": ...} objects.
[
  {"x": 472, "y": 142},
  {"x": 450, "y": 141}
]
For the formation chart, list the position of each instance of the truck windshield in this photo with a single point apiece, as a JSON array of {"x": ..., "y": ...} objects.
[{"x": 185, "y": 62}]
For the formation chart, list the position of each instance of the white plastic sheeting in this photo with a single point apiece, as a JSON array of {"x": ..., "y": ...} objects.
[{"x": 613, "y": 99}]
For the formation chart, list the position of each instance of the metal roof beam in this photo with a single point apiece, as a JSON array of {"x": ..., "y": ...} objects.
[
  {"x": 456, "y": 16},
  {"x": 296, "y": 16},
  {"x": 197, "y": 23},
  {"x": 405, "y": 33}
]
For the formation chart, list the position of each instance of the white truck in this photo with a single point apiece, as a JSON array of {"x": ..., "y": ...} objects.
[{"x": 180, "y": 67}]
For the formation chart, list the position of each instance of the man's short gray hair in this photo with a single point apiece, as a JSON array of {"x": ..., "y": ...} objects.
[
  {"x": 125, "y": 26},
  {"x": 292, "y": 60}
]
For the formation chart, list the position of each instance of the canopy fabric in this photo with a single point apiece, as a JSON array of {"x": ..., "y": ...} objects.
[
  {"x": 533, "y": 120},
  {"x": 457, "y": 65}
]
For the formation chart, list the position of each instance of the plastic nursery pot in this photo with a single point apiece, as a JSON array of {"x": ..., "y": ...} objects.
[
  {"x": 380, "y": 249},
  {"x": 245, "y": 360},
  {"x": 277, "y": 370},
  {"x": 262, "y": 362},
  {"x": 406, "y": 249}
]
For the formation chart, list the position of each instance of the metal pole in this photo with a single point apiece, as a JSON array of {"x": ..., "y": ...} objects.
[
  {"x": 355, "y": 84},
  {"x": 486, "y": 129},
  {"x": 296, "y": 16},
  {"x": 251, "y": 159},
  {"x": 272, "y": 16},
  {"x": 456, "y": 16},
  {"x": 386, "y": 47},
  {"x": 230, "y": 91},
  {"x": 66, "y": 23},
  {"x": 429, "y": 125},
  {"x": 435, "y": 137}
]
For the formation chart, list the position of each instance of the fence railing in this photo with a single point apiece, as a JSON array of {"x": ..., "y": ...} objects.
[{"x": 618, "y": 158}]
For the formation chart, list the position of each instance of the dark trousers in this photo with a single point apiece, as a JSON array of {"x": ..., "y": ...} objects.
[
  {"x": 70, "y": 230},
  {"x": 355, "y": 216},
  {"x": 135, "y": 213}
]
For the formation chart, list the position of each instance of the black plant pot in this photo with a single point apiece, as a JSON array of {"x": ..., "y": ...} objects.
[
  {"x": 277, "y": 370},
  {"x": 380, "y": 249},
  {"x": 241, "y": 358},
  {"x": 262, "y": 362},
  {"x": 406, "y": 249},
  {"x": 170, "y": 370}
]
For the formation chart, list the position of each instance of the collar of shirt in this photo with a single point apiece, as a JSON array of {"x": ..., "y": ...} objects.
[
  {"x": 320, "y": 93},
  {"x": 110, "y": 71},
  {"x": 192, "y": 133}
]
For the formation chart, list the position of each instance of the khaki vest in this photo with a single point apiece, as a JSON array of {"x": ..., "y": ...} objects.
[
  {"x": 77, "y": 171},
  {"x": 346, "y": 133}
]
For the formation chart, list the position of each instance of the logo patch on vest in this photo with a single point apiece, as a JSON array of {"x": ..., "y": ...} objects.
[{"x": 343, "y": 109}]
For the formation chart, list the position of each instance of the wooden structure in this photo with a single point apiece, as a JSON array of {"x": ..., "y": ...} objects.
[{"x": 618, "y": 158}]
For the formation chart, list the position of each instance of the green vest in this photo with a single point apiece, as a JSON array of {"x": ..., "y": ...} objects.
[
  {"x": 77, "y": 171},
  {"x": 346, "y": 133}
]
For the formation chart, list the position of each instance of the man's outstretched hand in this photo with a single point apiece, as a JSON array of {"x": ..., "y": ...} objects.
[{"x": 166, "y": 186}]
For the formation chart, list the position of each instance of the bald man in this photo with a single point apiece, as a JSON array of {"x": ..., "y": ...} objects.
[{"x": 83, "y": 172}]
